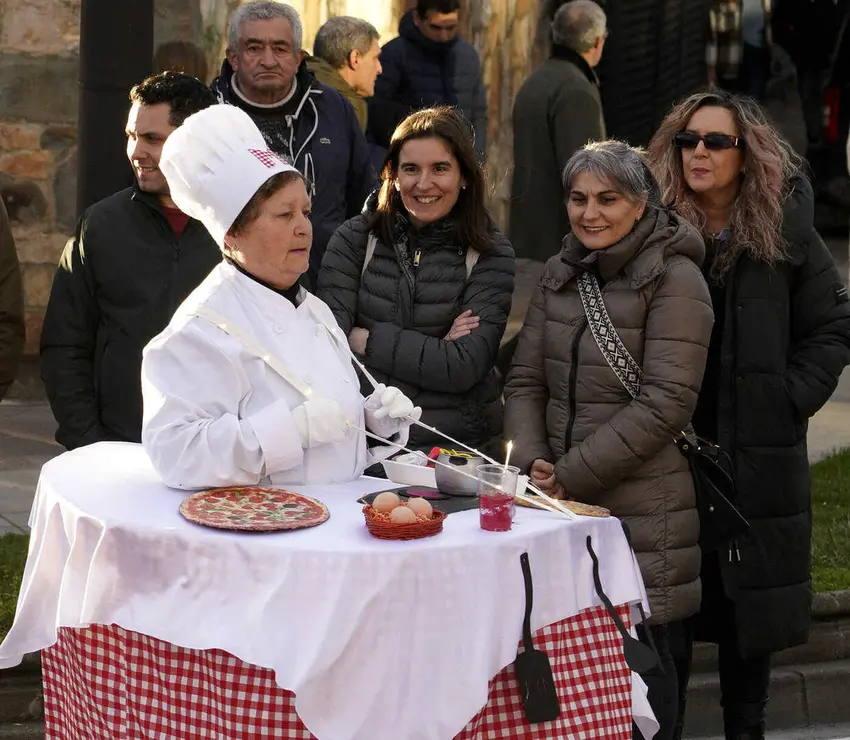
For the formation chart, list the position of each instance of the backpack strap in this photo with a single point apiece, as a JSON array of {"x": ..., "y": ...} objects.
[{"x": 607, "y": 339}]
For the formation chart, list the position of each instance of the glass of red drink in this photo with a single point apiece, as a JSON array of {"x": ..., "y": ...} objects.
[{"x": 496, "y": 491}]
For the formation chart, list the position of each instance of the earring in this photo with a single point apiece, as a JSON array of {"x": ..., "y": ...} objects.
[{"x": 463, "y": 187}]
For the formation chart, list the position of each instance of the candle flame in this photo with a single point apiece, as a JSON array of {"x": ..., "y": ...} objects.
[{"x": 508, "y": 455}]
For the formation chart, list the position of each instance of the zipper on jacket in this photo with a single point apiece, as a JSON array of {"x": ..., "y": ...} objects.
[
  {"x": 572, "y": 386},
  {"x": 417, "y": 255}
]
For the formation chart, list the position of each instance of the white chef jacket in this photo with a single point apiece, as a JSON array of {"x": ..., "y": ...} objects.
[{"x": 216, "y": 414}]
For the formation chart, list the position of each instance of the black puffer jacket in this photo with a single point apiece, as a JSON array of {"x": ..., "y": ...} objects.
[
  {"x": 408, "y": 310},
  {"x": 121, "y": 277},
  {"x": 785, "y": 340}
]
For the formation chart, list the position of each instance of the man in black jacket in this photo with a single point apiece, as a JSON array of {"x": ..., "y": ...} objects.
[
  {"x": 133, "y": 259},
  {"x": 309, "y": 124},
  {"x": 428, "y": 64},
  {"x": 557, "y": 111}
]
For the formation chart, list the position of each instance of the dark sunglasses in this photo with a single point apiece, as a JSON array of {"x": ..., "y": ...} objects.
[{"x": 712, "y": 142}]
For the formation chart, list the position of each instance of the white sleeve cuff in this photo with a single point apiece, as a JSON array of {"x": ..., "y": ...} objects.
[{"x": 279, "y": 440}]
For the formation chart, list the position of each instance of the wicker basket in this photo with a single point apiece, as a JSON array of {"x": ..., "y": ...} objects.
[{"x": 380, "y": 526}]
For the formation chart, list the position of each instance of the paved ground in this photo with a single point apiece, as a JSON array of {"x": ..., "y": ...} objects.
[{"x": 831, "y": 732}]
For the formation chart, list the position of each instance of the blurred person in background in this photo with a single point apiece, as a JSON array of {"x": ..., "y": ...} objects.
[
  {"x": 738, "y": 47},
  {"x": 346, "y": 57},
  {"x": 808, "y": 30},
  {"x": 427, "y": 65},
  {"x": 557, "y": 111},
  {"x": 780, "y": 342},
  {"x": 421, "y": 282},
  {"x": 12, "y": 328},
  {"x": 181, "y": 56}
]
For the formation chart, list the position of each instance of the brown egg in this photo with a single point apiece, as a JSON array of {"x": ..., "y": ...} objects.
[
  {"x": 421, "y": 507},
  {"x": 402, "y": 515},
  {"x": 386, "y": 502}
]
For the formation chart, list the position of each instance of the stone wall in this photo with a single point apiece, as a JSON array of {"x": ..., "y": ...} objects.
[{"x": 39, "y": 48}]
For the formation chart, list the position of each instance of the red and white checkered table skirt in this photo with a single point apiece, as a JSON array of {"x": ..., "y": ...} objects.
[{"x": 108, "y": 683}]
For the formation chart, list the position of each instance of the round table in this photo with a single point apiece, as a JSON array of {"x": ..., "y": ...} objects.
[{"x": 372, "y": 640}]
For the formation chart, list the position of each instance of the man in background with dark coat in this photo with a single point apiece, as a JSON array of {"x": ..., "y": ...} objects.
[
  {"x": 557, "y": 111},
  {"x": 307, "y": 123},
  {"x": 133, "y": 260},
  {"x": 427, "y": 65},
  {"x": 11, "y": 305}
]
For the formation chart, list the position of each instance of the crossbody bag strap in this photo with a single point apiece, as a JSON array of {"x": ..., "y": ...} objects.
[
  {"x": 255, "y": 348},
  {"x": 605, "y": 334}
]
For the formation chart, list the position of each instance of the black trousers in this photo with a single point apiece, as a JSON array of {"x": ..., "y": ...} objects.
[
  {"x": 663, "y": 684},
  {"x": 744, "y": 682}
]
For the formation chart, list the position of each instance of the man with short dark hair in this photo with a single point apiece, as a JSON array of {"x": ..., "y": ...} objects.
[
  {"x": 346, "y": 57},
  {"x": 557, "y": 111},
  {"x": 133, "y": 260},
  {"x": 428, "y": 64},
  {"x": 308, "y": 123}
]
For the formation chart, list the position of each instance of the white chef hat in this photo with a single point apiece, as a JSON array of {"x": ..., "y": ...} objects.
[{"x": 214, "y": 163}]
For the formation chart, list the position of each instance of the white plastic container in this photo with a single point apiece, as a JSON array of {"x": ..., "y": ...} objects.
[{"x": 409, "y": 475}]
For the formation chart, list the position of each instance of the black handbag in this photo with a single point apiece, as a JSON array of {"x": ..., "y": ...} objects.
[{"x": 720, "y": 521}]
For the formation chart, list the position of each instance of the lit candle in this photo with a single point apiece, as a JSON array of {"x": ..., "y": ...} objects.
[{"x": 508, "y": 455}]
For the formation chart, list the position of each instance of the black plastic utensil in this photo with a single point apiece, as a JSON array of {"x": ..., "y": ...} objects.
[{"x": 533, "y": 670}]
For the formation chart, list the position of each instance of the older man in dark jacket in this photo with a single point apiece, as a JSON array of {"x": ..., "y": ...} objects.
[
  {"x": 427, "y": 65},
  {"x": 557, "y": 111},
  {"x": 308, "y": 123}
]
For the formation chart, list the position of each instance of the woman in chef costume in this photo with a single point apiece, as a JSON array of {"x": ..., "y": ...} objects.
[{"x": 252, "y": 380}]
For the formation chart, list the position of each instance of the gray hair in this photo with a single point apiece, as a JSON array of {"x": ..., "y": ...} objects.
[
  {"x": 578, "y": 24},
  {"x": 264, "y": 10},
  {"x": 341, "y": 35},
  {"x": 625, "y": 167}
]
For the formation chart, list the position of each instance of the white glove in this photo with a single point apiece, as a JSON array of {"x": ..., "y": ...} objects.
[
  {"x": 320, "y": 421},
  {"x": 388, "y": 411}
]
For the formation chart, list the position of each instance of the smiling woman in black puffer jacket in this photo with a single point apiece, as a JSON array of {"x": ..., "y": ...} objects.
[{"x": 421, "y": 282}]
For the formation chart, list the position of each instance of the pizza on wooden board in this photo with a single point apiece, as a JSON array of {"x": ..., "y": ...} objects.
[{"x": 253, "y": 509}]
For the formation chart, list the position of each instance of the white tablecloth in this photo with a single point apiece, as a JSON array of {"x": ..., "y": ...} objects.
[{"x": 379, "y": 640}]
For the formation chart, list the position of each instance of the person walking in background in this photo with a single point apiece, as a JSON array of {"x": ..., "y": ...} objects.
[
  {"x": 12, "y": 328},
  {"x": 428, "y": 64},
  {"x": 306, "y": 122},
  {"x": 346, "y": 57},
  {"x": 781, "y": 339},
  {"x": 421, "y": 282},
  {"x": 133, "y": 259},
  {"x": 579, "y": 430},
  {"x": 808, "y": 31},
  {"x": 557, "y": 111},
  {"x": 181, "y": 56},
  {"x": 738, "y": 48}
]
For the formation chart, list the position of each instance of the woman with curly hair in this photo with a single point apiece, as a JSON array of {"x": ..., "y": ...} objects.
[{"x": 780, "y": 341}]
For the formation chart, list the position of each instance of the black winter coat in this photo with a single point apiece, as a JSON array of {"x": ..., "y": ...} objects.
[
  {"x": 785, "y": 342},
  {"x": 420, "y": 73},
  {"x": 408, "y": 312},
  {"x": 557, "y": 111},
  {"x": 120, "y": 279},
  {"x": 318, "y": 132}
]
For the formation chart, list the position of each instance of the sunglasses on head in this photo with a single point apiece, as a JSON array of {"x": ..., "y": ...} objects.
[{"x": 712, "y": 142}]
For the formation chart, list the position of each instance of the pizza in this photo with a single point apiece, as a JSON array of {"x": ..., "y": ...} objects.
[
  {"x": 253, "y": 509},
  {"x": 574, "y": 506}
]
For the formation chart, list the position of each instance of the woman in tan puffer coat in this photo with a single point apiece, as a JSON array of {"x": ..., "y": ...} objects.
[{"x": 574, "y": 425}]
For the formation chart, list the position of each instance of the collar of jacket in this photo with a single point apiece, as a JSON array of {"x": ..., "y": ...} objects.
[
  {"x": 408, "y": 29},
  {"x": 640, "y": 256},
  {"x": 149, "y": 199},
  {"x": 327, "y": 75},
  {"x": 566, "y": 54},
  {"x": 224, "y": 92}
]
